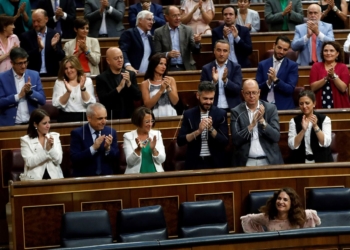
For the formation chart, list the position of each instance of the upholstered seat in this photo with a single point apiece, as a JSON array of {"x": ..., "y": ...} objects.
[
  {"x": 256, "y": 200},
  {"x": 175, "y": 156},
  {"x": 51, "y": 110}
]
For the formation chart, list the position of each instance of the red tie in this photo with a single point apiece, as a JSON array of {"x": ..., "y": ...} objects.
[{"x": 313, "y": 48}]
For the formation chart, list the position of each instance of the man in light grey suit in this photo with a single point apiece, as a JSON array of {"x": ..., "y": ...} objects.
[
  {"x": 306, "y": 32},
  {"x": 283, "y": 15},
  {"x": 105, "y": 17},
  {"x": 255, "y": 129},
  {"x": 177, "y": 41}
]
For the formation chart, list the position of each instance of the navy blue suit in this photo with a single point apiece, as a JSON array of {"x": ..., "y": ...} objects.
[
  {"x": 242, "y": 49},
  {"x": 84, "y": 163},
  {"x": 157, "y": 11},
  {"x": 131, "y": 44},
  {"x": 284, "y": 89},
  {"x": 233, "y": 86},
  {"x": 190, "y": 123},
  {"x": 8, "y": 104}
]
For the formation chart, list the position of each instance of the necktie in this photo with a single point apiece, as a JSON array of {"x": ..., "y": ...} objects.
[
  {"x": 313, "y": 48},
  {"x": 58, "y": 23},
  {"x": 271, "y": 95},
  {"x": 98, "y": 156}
]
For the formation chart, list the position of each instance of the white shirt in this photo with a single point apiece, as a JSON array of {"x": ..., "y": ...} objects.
[
  {"x": 43, "y": 39},
  {"x": 222, "y": 101},
  {"x": 54, "y": 10},
  {"x": 276, "y": 66},
  {"x": 204, "y": 136},
  {"x": 103, "y": 28},
  {"x": 146, "y": 51},
  {"x": 22, "y": 114},
  {"x": 255, "y": 147}
]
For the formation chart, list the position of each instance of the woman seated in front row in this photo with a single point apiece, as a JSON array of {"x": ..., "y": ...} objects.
[
  {"x": 41, "y": 150},
  {"x": 159, "y": 91},
  {"x": 282, "y": 211},
  {"x": 310, "y": 133},
  {"x": 143, "y": 147},
  {"x": 73, "y": 91}
]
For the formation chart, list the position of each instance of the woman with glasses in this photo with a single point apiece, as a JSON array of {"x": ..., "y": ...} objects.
[
  {"x": 86, "y": 49},
  {"x": 8, "y": 41},
  {"x": 143, "y": 147},
  {"x": 159, "y": 91}
]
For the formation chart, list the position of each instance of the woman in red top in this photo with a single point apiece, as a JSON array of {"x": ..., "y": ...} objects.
[{"x": 329, "y": 79}]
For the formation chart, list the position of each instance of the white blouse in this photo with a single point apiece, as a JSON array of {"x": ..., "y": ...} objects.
[{"x": 252, "y": 17}]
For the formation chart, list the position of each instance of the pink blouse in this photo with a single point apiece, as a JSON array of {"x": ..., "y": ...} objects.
[
  {"x": 6, "y": 64},
  {"x": 254, "y": 223}
]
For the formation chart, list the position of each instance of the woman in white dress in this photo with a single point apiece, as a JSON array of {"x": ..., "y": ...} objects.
[
  {"x": 159, "y": 91},
  {"x": 248, "y": 17}
]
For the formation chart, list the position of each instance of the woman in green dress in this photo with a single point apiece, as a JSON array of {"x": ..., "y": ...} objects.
[{"x": 143, "y": 147}]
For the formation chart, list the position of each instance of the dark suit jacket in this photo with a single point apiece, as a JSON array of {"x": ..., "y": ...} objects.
[
  {"x": 29, "y": 42},
  {"x": 162, "y": 43},
  {"x": 268, "y": 137},
  {"x": 8, "y": 104},
  {"x": 131, "y": 44},
  {"x": 157, "y": 11},
  {"x": 242, "y": 49},
  {"x": 233, "y": 86},
  {"x": 84, "y": 163},
  {"x": 190, "y": 123},
  {"x": 106, "y": 84},
  {"x": 68, "y": 6},
  {"x": 284, "y": 89}
]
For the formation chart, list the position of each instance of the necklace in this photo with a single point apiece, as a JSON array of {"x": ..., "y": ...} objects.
[{"x": 158, "y": 80}]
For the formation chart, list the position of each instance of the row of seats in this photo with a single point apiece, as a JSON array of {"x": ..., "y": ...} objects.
[{"x": 196, "y": 219}]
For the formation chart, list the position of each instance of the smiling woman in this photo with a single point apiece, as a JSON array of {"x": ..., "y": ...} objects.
[{"x": 282, "y": 211}]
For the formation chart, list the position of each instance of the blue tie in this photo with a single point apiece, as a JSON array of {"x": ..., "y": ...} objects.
[
  {"x": 58, "y": 23},
  {"x": 98, "y": 157}
]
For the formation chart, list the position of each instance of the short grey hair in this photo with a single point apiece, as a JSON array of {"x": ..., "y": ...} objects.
[
  {"x": 90, "y": 110},
  {"x": 142, "y": 15}
]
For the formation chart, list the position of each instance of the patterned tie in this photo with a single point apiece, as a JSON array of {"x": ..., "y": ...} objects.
[
  {"x": 98, "y": 157},
  {"x": 313, "y": 49},
  {"x": 58, "y": 23}
]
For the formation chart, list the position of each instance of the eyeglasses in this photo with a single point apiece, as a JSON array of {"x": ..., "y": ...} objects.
[
  {"x": 251, "y": 93},
  {"x": 21, "y": 63},
  {"x": 151, "y": 121},
  {"x": 150, "y": 20}
]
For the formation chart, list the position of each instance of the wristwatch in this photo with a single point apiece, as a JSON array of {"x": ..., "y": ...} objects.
[
  {"x": 335, "y": 76},
  {"x": 264, "y": 124},
  {"x": 211, "y": 129},
  {"x": 83, "y": 89},
  {"x": 277, "y": 81}
]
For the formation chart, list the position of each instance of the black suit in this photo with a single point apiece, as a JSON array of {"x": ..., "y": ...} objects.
[
  {"x": 121, "y": 103},
  {"x": 29, "y": 42},
  {"x": 68, "y": 6}
]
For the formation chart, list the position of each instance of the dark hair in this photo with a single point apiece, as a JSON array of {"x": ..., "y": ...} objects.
[
  {"x": 206, "y": 86},
  {"x": 75, "y": 63},
  {"x": 80, "y": 23},
  {"x": 337, "y": 48},
  {"x": 35, "y": 117},
  {"x": 153, "y": 63},
  {"x": 309, "y": 94},
  {"x": 167, "y": 9},
  {"x": 5, "y": 21},
  {"x": 296, "y": 213},
  {"x": 222, "y": 41},
  {"x": 243, "y": 0},
  {"x": 139, "y": 114},
  {"x": 284, "y": 39},
  {"x": 229, "y": 6},
  {"x": 18, "y": 53}
]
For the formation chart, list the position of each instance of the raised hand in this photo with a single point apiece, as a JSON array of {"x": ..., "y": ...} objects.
[
  {"x": 330, "y": 72},
  {"x": 174, "y": 53},
  {"x": 313, "y": 120},
  {"x": 224, "y": 75},
  {"x": 98, "y": 142},
  {"x": 67, "y": 85},
  {"x": 153, "y": 142},
  {"x": 203, "y": 125},
  {"x": 59, "y": 13},
  {"x": 108, "y": 142},
  {"x": 126, "y": 78},
  {"x": 131, "y": 68},
  {"x": 82, "y": 81},
  {"x": 304, "y": 123},
  {"x": 82, "y": 45},
  {"x": 55, "y": 40},
  {"x": 313, "y": 27},
  {"x": 146, "y": 6},
  {"x": 226, "y": 31},
  {"x": 249, "y": 26},
  {"x": 215, "y": 75},
  {"x": 40, "y": 43},
  {"x": 234, "y": 31},
  {"x": 197, "y": 38},
  {"x": 22, "y": 8},
  {"x": 49, "y": 143},
  {"x": 271, "y": 75},
  {"x": 262, "y": 111},
  {"x": 167, "y": 82}
]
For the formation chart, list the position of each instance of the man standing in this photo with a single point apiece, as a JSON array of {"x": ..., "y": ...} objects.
[
  {"x": 205, "y": 131},
  {"x": 255, "y": 129},
  {"x": 238, "y": 37},
  {"x": 177, "y": 41},
  {"x": 137, "y": 43},
  {"x": 116, "y": 87},
  {"x": 283, "y": 15},
  {"x": 43, "y": 46},
  {"x": 309, "y": 37},
  {"x": 105, "y": 17},
  {"x": 277, "y": 76},
  {"x": 21, "y": 91},
  {"x": 93, "y": 147},
  {"x": 156, "y": 9},
  {"x": 225, "y": 75}
]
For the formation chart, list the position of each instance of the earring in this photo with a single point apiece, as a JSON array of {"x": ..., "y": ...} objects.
[{"x": 36, "y": 128}]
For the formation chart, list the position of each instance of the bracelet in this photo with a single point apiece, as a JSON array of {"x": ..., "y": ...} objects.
[
  {"x": 335, "y": 8},
  {"x": 317, "y": 130},
  {"x": 83, "y": 89},
  {"x": 87, "y": 52}
]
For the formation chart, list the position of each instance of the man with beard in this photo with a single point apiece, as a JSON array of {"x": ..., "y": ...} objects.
[
  {"x": 277, "y": 76},
  {"x": 238, "y": 37},
  {"x": 205, "y": 131}
]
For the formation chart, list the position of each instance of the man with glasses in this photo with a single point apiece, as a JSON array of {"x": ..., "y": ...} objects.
[
  {"x": 21, "y": 90},
  {"x": 137, "y": 43},
  {"x": 255, "y": 129},
  {"x": 205, "y": 131}
]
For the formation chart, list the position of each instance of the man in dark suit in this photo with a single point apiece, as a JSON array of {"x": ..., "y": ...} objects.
[
  {"x": 156, "y": 9},
  {"x": 255, "y": 129},
  {"x": 177, "y": 41},
  {"x": 116, "y": 87},
  {"x": 225, "y": 75},
  {"x": 93, "y": 147},
  {"x": 43, "y": 46},
  {"x": 238, "y": 37},
  {"x": 21, "y": 91},
  {"x": 277, "y": 76},
  {"x": 137, "y": 43},
  {"x": 205, "y": 131},
  {"x": 61, "y": 16}
]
